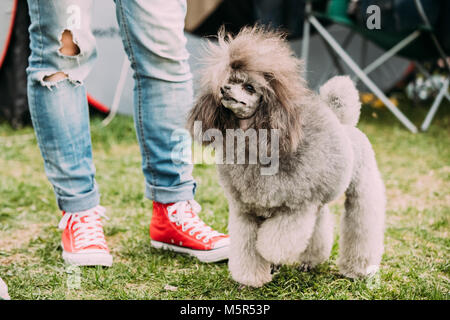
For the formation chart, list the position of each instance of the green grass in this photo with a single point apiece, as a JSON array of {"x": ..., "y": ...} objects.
[{"x": 416, "y": 170}]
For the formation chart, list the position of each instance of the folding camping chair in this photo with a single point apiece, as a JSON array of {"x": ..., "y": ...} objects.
[{"x": 414, "y": 46}]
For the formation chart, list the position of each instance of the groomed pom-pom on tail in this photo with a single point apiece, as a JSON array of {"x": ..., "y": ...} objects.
[{"x": 342, "y": 97}]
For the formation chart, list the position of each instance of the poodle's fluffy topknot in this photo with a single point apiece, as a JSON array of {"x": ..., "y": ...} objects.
[{"x": 253, "y": 49}]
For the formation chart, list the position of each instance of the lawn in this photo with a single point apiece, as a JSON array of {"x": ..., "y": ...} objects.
[{"x": 415, "y": 168}]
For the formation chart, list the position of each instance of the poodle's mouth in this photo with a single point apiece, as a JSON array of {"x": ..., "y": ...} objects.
[
  {"x": 237, "y": 107},
  {"x": 240, "y": 109},
  {"x": 228, "y": 99}
]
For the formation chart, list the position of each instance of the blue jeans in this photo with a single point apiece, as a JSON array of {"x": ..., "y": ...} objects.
[{"x": 152, "y": 34}]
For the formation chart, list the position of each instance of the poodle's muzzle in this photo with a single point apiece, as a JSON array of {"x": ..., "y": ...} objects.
[{"x": 239, "y": 101}]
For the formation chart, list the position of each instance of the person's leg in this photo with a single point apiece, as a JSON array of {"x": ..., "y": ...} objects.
[
  {"x": 152, "y": 33},
  {"x": 62, "y": 54},
  {"x": 153, "y": 37}
]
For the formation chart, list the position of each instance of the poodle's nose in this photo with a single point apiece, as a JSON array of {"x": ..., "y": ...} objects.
[{"x": 224, "y": 88}]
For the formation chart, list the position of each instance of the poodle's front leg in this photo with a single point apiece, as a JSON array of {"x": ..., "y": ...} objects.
[
  {"x": 285, "y": 236},
  {"x": 245, "y": 263},
  {"x": 321, "y": 242}
]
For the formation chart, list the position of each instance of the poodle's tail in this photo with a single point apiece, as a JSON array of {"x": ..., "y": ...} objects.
[{"x": 341, "y": 95}]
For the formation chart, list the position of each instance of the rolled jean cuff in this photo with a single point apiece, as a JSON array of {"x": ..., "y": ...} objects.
[
  {"x": 160, "y": 194},
  {"x": 80, "y": 203}
]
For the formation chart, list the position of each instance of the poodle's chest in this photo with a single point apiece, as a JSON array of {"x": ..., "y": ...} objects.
[
  {"x": 295, "y": 183},
  {"x": 258, "y": 192},
  {"x": 254, "y": 188}
]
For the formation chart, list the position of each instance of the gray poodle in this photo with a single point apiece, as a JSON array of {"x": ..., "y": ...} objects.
[{"x": 253, "y": 81}]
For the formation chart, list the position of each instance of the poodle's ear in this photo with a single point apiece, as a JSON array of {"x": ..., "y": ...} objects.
[
  {"x": 282, "y": 113},
  {"x": 211, "y": 115}
]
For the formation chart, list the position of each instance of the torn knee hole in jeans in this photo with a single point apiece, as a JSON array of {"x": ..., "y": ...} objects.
[
  {"x": 53, "y": 79},
  {"x": 69, "y": 49}
]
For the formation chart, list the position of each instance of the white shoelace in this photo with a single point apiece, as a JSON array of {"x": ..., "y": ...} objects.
[
  {"x": 184, "y": 213},
  {"x": 88, "y": 227}
]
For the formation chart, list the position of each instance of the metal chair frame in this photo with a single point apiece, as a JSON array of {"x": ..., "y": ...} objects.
[{"x": 362, "y": 74}]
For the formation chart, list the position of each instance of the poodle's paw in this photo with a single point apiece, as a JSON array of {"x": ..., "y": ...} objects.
[
  {"x": 253, "y": 273},
  {"x": 275, "y": 268},
  {"x": 255, "y": 280},
  {"x": 306, "y": 267},
  {"x": 356, "y": 272},
  {"x": 309, "y": 261}
]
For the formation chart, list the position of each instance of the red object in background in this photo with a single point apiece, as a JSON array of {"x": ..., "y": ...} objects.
[
  {"x": 10, "y": 31},
  {"x": 97, "y": 104}
]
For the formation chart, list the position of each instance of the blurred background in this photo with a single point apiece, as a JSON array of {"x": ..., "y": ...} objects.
[{"x": 417, "y": 69}]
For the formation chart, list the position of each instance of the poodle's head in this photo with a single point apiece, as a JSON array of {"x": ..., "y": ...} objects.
[
  {"x": 252, "y": 80},
  {"x": 241, "y": 94}
]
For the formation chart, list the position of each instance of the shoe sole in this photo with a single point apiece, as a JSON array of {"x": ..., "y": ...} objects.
[
  {"x": 213, "y": 255},
  {"x": 88, "y": 258}
]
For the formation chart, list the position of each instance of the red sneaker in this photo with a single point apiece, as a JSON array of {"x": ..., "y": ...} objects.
[
  {"x": 83, "y": 241},
  {"x": 177, "y": 227}
]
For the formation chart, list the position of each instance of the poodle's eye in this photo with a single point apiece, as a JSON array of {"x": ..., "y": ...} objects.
[{"x": 249, "y": 88}]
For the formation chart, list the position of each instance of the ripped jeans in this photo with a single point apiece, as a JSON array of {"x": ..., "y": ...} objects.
[{"x": 152, "y": 34}]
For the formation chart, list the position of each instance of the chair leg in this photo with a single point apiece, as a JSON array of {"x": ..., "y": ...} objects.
[
  {"x": 361, "y": 75},
  {"x": 388, "y": 54},
  {"x": 306, "y": 36},
  {"x": 437, "y": 102},
  {"x": 118, "y": 92},
  {"x": 426, "y": 73},
  {"x": 391, "y": 52}
]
